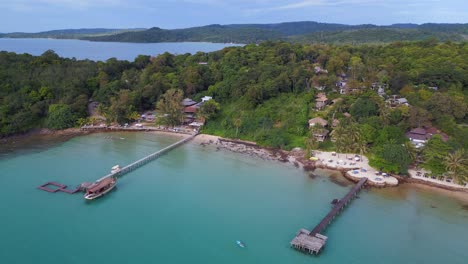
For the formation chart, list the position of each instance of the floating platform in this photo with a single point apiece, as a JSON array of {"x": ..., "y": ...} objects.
[
  {"x": 116, "y": 170},
  {"x": 59, "y": 188}
]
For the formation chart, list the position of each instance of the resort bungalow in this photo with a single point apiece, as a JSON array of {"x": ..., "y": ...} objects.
[
  {"x": 402, "y": 101},
  {"x": 148, "y": 117},
  {"x": 319, "y": 70},
  {"x": 321, "y": 134},
  {"x": 419, "y": 136},
  {"x": 342, "y": 86},
  {"x": 206, "y": 98},
  {"x": 396, "y": 101},
  {"x": 321, "y": 101},
  {"x": 335, "y": 122},
  {"x": 320, "y": 87},
  {"x": 190, "y": 112},
  {"x": 188, "y": 102},
  {"x": 381, "y": 91},
  {"x": 318, "y": 121}
]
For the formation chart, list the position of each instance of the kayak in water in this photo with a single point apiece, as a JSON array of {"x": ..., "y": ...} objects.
[{"x": 240, "y": 243}]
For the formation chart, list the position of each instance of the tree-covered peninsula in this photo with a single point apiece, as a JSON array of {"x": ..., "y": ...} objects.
[
  {"x": 294, "y": 32},
  {"x": 399, "y": 103}
]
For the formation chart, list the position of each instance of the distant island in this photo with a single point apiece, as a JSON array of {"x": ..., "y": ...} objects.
[
  {"x": 69, "y": 33},
  {"x": 295, "y": 32}
]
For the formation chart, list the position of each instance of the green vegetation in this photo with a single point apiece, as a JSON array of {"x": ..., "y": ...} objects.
[
  {"x": 295, "y": 32},
  {"x": 265, "y": 93},
  {"x": 212, "y": 33},
  {"x": 209, "y": 109},
  {"x": 60, "y": 116},
  {"x": 169, "y": 104},
  {"x": 379, "y": 35},
  {"x": 68, "y": 33}
]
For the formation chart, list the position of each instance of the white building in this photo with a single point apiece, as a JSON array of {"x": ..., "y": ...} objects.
[{"x": 206, "y": 98}]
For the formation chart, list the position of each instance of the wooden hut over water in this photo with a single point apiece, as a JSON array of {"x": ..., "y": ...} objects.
[{"x": 306, "y": 242}]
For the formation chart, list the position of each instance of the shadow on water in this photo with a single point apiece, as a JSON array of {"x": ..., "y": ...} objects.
[
  {"x": 340, "y": 180},
  {"x": 331, "y": 175},
  {"x": 312, "y": 175},
  {"x": 19, "y": 145}
]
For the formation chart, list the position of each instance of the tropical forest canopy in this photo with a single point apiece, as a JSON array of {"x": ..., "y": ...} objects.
[{"x": 265, "y": 92}]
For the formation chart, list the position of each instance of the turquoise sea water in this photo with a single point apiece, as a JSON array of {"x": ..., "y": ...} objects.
[
  {"x": 101, "y": 51},
  {"x": 191, "y": 205}
]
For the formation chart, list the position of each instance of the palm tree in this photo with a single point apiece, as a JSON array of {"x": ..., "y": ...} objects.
[
  {"x": 385, "y": 114},
  {"x": 411, "y": 149},
  {"x": 353, "y": 133},
  {"x": 237, "y": 124},
  {"x": 339, "y": 137},
  {"x": 456, "y": 164},
  {"x": 362, "y": 147},
  {"x": 310, "y": 143}
]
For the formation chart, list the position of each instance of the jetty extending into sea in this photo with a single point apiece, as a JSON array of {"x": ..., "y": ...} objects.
[
  {"x": 312, "y": 242},
  {"x": 115, "y": 173},
  {"x": 133, "y": 166}
]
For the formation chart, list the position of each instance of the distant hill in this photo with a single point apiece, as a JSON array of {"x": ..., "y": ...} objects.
[
  {"x": 211, "y": 33},
  {"x": 376, "y": 35},
  {"x": 404, "y": 25},
  {"x": 303, "y": 27},
  {"x": 68, "y": 33},
  {"x": 303, "y": 32}
]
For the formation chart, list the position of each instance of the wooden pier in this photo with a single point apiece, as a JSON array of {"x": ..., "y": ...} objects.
[
  {"x": 133, "y": 166},
  {"x": 313, "y": 241}
]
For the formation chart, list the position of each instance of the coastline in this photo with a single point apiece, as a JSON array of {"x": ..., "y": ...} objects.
[{"x": 294, "y": 157}]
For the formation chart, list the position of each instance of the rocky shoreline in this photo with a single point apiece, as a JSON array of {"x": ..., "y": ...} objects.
[
  {"x": 244, "y": 147},
  {"x": 296, "y": 157},
  {"x": 430, "y": 184}
]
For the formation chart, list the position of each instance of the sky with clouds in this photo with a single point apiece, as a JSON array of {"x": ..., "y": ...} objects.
[{"x": 40, "y": 15}]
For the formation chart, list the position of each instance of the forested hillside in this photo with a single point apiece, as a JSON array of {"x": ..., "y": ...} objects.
[
  {"x": 303, "y": 32},
  {"x": 266, "y": 92},
  {"x": 378, "y": 35},
  {"x": 68, "y": 33},
  {"x": 212, "y": 33},
  {"x": 295, "y": 32}
]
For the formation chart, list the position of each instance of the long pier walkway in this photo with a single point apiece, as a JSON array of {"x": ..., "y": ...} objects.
[
  {"x": 118, "y": 172},
  {"x": 133, "y": 166},
  {"x": 313, "y": 241}
]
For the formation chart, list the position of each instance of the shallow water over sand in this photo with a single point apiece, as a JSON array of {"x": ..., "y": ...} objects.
[{"x": 192, "y": 204}]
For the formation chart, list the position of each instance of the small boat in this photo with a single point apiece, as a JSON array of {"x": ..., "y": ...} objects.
[
  {"x": 115, "y": 169},
  {"x": 240, "y": 244},
  {"x": 100, "y": 188}
]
